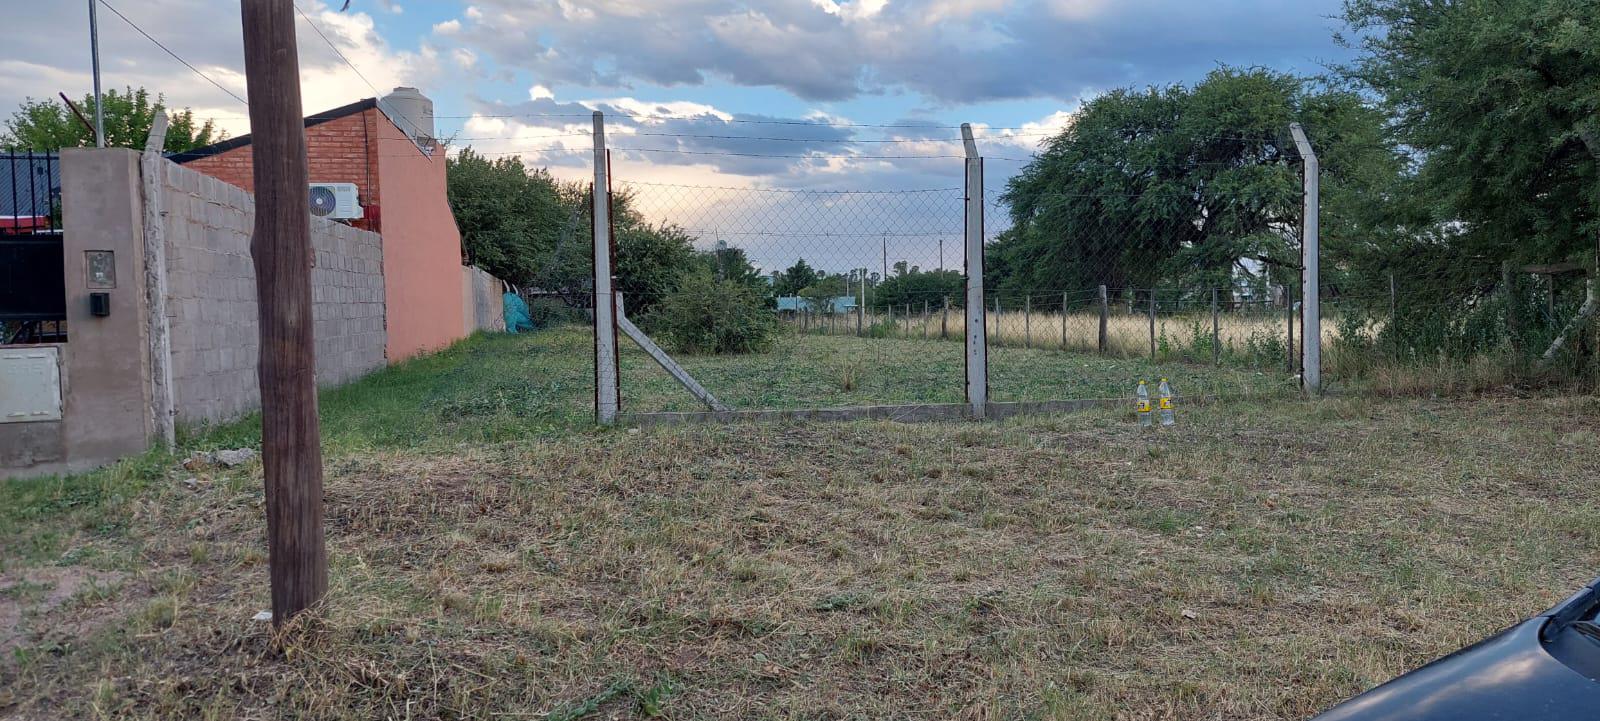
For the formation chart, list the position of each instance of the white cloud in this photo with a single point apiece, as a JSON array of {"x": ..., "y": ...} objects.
[
  {"x": 953, "y": 51},
  {"x": 448, "y": 27},
  {"x": 1077, "y": 10},
  {"x": 539, "y": 92}
]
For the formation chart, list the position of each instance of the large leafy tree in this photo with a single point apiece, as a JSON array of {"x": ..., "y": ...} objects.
[
  {"x": 1502, "y": 101},
  {"x": 1187, "y": 186},
  {"x": 522, "y": 226},
  {"x": 50, "y": 125},
  {"x": 534, "y": 231},
  {"x": 914, "y": 287},
  {"x": 728, "y": 263}
]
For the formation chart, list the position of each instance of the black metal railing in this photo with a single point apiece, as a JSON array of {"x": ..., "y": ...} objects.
[{"x": 32, "y": 286}]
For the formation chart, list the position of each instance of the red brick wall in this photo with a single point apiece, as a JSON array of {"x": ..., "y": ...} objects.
[{"x": 344, "y": 150}]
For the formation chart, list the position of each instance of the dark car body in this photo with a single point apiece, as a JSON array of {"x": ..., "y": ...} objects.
[{"x": 1542, "y": 669}]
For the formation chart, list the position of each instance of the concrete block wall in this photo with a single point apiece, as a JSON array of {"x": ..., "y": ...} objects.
[
  {"x": 481, "y": 304},
  {"x": 211, "y": 298}
]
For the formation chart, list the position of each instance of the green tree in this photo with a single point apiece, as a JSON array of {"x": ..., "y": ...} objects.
[
  {"x": 50, "y": 125},
  {"x": 524, "y": 227},
  {"x": 915, "y": 286},
  {"x": 705, "y": 314},
  {"x": 794, "y": 279},
  {"x": 530, "y": 229},
  {"x": 729, "y": 263},
  {"x": 1499, "y": 102},
  {"x": 820, "y": 294},
  {"x": 1186, "y": 185},
  {"x": 652, "y": 258}
]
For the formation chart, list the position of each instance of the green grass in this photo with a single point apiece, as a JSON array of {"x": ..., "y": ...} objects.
[
  {"x": 495, "y": 388},
  {"x": 494, "y": 556},
  {"x": 821, "y": 371}
]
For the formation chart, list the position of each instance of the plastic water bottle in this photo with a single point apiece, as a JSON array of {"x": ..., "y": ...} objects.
[
  {"x": 1164, "y": 400},
  {"x": 1143, "y": 407}
]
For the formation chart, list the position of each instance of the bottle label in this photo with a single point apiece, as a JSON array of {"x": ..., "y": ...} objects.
[
  {"x": 1166, "y": 404},
  {"x": 1144, "y": 406}
]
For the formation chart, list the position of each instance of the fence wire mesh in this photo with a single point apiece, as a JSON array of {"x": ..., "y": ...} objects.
[
  {"x": 1096, "y": 277},
  {"x": 862, "y": 288},
  {"x": 1089, "y": 293}
]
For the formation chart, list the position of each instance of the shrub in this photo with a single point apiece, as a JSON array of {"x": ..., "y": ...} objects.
[
  {"x": 547, "y": 312},
  {"x": 707, "y": 315}
]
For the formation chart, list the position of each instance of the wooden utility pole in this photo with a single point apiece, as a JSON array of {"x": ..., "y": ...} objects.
[{"x": 281, "y": 247}]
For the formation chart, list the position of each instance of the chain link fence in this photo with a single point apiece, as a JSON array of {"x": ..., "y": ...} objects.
[{"x": 1089, "y": 286}]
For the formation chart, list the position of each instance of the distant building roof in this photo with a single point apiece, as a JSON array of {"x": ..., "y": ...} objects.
[
  {"x": 839, "y": 304},
  {"x": 312, "y": 120}
]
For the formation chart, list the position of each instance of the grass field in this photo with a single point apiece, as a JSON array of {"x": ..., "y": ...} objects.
[{"x": 493, "y": 557}]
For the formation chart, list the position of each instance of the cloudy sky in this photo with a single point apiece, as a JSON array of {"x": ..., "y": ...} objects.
[{"x": 836, "y": 95}]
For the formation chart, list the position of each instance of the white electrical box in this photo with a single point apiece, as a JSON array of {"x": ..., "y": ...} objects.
[{"x": 30, "y": 384}]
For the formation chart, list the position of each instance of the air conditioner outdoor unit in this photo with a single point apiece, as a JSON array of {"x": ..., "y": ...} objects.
[{"x": 336, "y": 201}]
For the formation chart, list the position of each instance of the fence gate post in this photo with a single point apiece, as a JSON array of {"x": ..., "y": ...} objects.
[
  {"x": 944, "y": 320},
  {"x": 1027, "y": 321},
  {"x": 924, "y": 318},
  {"x": 1063, "y": 321},
  {"x": 1310, "y": 278},
  {"x": 606, "y": 391},
  {"x": 1152, "y": 324},
  {"x": 977, "y": 336},
  {"x": 1508, "y": 284},
  {"x": 1105, "y": 313},
  {"x": 1216, "y": 331}
]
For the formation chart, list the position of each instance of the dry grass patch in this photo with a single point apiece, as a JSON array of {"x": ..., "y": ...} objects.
[{"x": 1255, "y": 563}]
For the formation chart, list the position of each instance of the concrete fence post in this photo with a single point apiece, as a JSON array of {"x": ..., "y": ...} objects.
[
  {"x": 607, "y": 392},
  {"x": 1310, "y": 263},
  {"x": 977, "y": 335},
  {"x": 1216, "y": 331},
  {"x": 1027, "y": 321},
  {"x": 1065, "y": 309}
]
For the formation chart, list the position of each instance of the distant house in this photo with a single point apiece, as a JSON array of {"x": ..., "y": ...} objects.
[
  {"x": 385, "y": 147},
  {"x": 794, "y": 304}
]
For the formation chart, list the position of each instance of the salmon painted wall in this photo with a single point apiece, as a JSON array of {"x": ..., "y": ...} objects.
[{"x": 421, "y": 247}]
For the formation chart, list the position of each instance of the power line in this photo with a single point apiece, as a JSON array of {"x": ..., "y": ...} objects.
[
  {"x": 787, "y": 190},
  {"x": 813, "y": 156},
  {"x": 174, "y": 55},
  {"x": 335, "y": 49},
  {"x": 717, "y": 119}
]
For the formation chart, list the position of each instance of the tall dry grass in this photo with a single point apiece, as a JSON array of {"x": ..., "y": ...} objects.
[{"x": 1127, "y": 335}]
